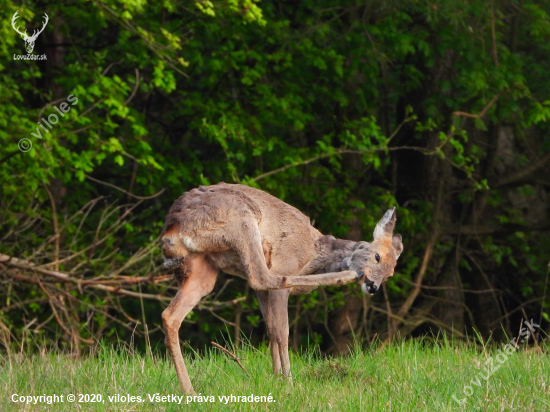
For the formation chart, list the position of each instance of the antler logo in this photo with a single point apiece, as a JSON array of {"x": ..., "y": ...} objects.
[{"x": 29, "y": 40}]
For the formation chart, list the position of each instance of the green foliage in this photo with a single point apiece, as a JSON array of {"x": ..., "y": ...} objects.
[{"x": 315, "y": 102}]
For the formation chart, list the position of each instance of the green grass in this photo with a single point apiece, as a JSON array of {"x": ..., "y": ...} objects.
[{"x": 409, "y": 376}]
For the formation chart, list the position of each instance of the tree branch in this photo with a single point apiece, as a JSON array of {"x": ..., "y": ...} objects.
[
  {"x": 232, "y": 356},
  {"x": 125, "y": 191},
  {"x": 482, "y": 113}
]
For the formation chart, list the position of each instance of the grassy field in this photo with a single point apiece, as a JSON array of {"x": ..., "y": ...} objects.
[{"x": 411, "y": 376}]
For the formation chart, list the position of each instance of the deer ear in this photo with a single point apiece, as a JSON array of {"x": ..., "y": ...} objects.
[
  {"x": 397, "y": 244},
  {"x": 386, "y": 225},
  {"x": 360, "y": 245}
]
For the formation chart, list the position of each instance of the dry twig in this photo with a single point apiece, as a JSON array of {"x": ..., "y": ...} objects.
[{"x": 232, "y": 356}]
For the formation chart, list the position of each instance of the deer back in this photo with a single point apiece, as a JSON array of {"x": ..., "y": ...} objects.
[{"x": 210, "y": 219}]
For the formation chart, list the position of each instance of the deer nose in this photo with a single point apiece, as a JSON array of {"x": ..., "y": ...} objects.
[{"x": 371, "y": 287}]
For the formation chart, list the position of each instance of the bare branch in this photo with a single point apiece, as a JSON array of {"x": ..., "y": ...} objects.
[
  {"x": 125, "y": 191},
  {"x": 519, "y": 176},
  {"x": 133, "y": 91},
  {"x": 232, "y": 356},
  {"x": 426, "y": 151},
  {"x": 482, "y": 113}
]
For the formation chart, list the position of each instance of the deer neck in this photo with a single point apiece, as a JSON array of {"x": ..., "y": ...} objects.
[{"x": 330, "y": 257}]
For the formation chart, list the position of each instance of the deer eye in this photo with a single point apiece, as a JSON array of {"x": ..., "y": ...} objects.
[{"x": 377, "y": 257}]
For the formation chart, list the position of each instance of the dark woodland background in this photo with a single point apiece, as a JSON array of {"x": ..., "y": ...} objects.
[{"x": 342, "y": 109}]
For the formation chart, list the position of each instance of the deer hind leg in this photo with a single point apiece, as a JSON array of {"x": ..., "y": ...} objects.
[
  {"x": 199, "y": 281},
  {"x": 248, "y": 245}
]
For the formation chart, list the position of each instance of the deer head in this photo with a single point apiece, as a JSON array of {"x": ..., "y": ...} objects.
[
  {"x": 377, "y": 259},
  {"x": 29, "y": 40}
]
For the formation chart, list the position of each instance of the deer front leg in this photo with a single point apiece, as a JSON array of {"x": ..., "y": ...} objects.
[
  {"x": 274, "y": 307},
  {"x": 263, "y": 300},
  {"x": 278, "y": 303}
]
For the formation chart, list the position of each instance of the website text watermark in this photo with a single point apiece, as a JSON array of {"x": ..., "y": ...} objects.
[
  {"x": 25, "y": 144},
  {"x": 127, "y": 398},
  {"x": 502, "y": 356}
]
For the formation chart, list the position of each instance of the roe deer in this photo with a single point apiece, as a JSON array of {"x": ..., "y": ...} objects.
[{"x": 248, "y": 233}]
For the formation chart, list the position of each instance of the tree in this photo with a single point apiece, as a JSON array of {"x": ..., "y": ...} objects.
[{"x": 340, "y": 109}]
